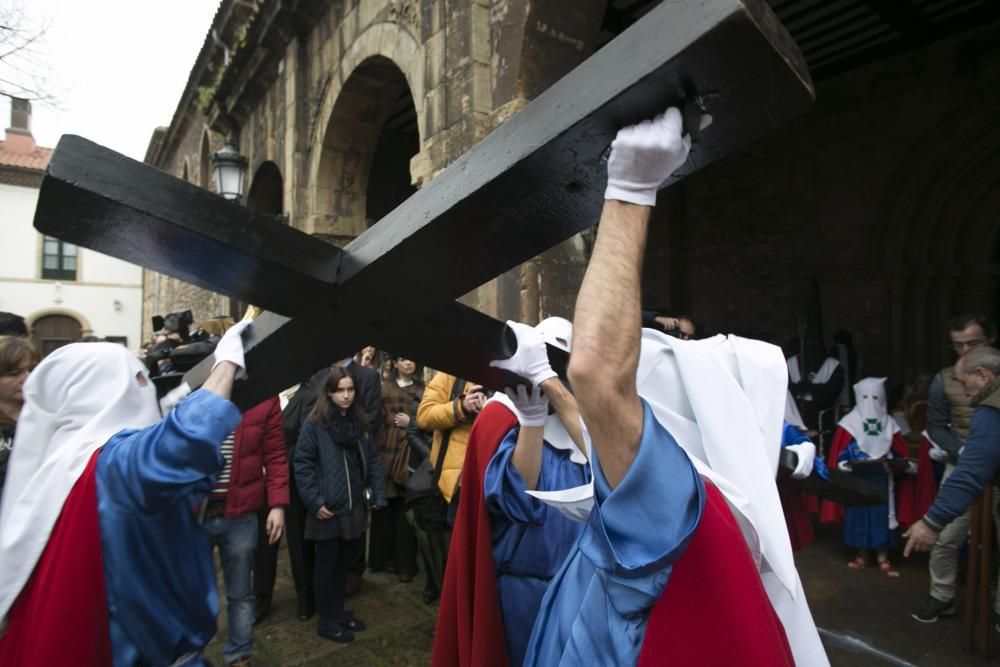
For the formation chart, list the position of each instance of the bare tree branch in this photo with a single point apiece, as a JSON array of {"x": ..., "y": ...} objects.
[{"x": 24, "y": 68}]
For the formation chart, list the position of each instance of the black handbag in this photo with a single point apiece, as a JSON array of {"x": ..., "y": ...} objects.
[{"x": 421, "y": 492}]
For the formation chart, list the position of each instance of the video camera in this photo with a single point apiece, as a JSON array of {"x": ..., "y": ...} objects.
[
  {"x": 181, "y": 349},
  {"x": 177, "y": 323}
]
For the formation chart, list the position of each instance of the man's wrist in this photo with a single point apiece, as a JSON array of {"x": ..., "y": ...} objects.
[{"x": 932, "y": 524}]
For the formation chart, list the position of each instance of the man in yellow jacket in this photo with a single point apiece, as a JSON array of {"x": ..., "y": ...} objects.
[{"x": 445, "y": 409}]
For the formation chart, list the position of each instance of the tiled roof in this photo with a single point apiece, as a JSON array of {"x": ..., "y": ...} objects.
[{"x": 37, "y": 159}]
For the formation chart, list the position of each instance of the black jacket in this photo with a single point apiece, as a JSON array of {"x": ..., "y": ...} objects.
[{"x": 323, "y": 474}]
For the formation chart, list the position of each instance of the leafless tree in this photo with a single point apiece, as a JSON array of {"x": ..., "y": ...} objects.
[{"x": 24, "y": 70}]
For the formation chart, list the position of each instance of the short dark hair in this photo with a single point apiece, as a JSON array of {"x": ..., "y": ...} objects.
[
  {"x": 963, "y": 322},
  {"x": 323, "y": 408},
  {"x": 12, "y": 325}
]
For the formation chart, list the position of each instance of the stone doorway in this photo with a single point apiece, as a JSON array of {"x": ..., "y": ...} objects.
[{"x": 53, "y": 331}]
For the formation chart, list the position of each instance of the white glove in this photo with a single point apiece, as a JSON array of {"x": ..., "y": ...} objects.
[
  {"x": 844, "y": 466},
  {"x": 643, "y": 156},
  {"x": 173, "y": 397},
  {"x": 938, "y": 454},
  {"x": 530, "y": 361},
  {"x": 533, "y": 408},
  {"x": 806, "y": 452},
  {"x": 230, "y": 348},
  {"x": 911, "y": 468}
]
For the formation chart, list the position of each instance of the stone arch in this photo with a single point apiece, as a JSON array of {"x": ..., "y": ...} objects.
[
  {"x": 939, "y": 243},
  {"x": 266, "y": 190},
  {"x": 382, "y": 64},
  {"x": 204, "y": 164}
]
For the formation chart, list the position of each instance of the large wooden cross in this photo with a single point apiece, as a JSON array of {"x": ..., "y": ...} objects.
[{"x": 533, "y": 182}]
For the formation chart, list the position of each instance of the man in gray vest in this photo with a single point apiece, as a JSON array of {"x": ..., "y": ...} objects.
[{"x": 949, "y": 413}]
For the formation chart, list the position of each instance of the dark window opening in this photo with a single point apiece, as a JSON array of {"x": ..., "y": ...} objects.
[{"x": 58, "y": 259}]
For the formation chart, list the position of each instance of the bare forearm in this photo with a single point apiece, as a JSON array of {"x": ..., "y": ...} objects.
[
  {"x": 220, "y": 380},
  {"x": 527, "y": 456},
  {"x": 565, "y": 406},
  {"x": 606, "y": 333}
]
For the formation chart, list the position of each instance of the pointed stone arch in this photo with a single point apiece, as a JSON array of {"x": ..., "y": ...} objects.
[{"x": 204, "y": 163}]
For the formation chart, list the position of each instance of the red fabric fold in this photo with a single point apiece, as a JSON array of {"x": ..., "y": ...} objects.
[
  {"x": 715, "y": 586},
  {"x": 794, "y": 505},
  {"x": 470, "y": 631},
  {"x": 917, "y": 495},
  {"x": 61, "y": 615}
]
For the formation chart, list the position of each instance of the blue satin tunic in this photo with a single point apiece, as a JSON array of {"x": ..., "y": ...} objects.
[
  {"x": 158, "y": 567},
  {"x": 530, "y": 539},
  {"x": 596, "y": 607}
]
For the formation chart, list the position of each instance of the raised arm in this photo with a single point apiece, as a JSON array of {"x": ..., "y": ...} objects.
[
  {"x": 606, "y": 332},
  {"x": 606, "y": 326}
]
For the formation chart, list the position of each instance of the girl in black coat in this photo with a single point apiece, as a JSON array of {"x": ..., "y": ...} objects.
[{"x": 336, "y": 468}]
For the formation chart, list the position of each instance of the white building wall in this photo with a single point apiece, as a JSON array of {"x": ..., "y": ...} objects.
[{"x": 106, "y": 297}]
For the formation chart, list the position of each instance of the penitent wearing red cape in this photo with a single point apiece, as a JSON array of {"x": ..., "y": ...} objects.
[
  {"x": 715, "y": 584},
  {"x": 913, "y": 495}
]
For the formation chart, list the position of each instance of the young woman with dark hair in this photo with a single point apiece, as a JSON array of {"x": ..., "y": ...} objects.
[{"x": 336, "y": 468}]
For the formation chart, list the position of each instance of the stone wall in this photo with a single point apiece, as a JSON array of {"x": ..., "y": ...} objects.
[{"x": 886, "y": 191}]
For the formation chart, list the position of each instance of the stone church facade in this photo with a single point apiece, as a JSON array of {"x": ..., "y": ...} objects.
[{"x": 885, "y": 191}]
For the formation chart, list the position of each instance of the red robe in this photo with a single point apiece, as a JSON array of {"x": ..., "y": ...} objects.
[
  {"x": 795, "y": 506},
  {"x": 470, "y": 628},
  {"x": 61, "y": 614},
  {"x": 831, "y": 512},
  {"x": 716, "y": 579}
]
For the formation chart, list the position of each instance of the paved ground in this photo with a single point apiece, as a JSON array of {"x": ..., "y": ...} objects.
[{"x": 857, "y": 611}]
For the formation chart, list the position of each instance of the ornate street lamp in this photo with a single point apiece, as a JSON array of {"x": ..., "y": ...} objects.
[{"x": 229, "y": 168}]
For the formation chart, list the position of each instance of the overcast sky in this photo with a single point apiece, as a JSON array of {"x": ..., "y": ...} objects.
[{"x": 118, "y": 67}]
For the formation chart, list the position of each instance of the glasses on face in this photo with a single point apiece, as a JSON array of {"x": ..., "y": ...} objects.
[{"x": 968, "y": 344}]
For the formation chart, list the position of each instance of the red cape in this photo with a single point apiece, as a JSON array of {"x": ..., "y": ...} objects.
[
  {"x": 715, "y": 610},
  {"x": 918, "y": 496},
  {"x": 470, "y": 629},
  {"x": 61, "y": 614},
  {"x": 831, "y": 512},
  {"x": 795, "y": 506}
]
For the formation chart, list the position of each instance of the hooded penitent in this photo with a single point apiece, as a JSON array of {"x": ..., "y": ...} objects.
[
  {"x": 869, "y": 422},
  {"x": 74, "y": 401}
]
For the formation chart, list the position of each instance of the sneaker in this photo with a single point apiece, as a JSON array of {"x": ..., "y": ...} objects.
[{"x": 933, "y": 609}]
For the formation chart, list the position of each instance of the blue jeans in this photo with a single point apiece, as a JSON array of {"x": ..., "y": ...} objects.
[{"x": 236, "y": 538}]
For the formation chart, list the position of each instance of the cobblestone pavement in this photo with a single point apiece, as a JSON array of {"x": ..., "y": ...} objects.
[
  {"x": 860, "y": 613},
  {"x": 400, "y": 627}
]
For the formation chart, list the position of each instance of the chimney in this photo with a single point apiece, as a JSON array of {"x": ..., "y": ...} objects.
[{"x": 19, "y": 139}]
